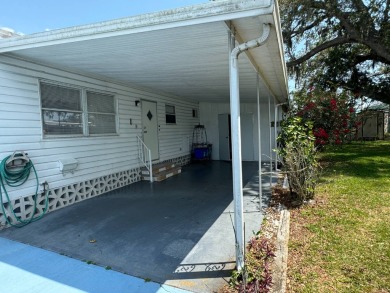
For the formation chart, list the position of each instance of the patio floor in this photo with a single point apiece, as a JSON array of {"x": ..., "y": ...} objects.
[{"x": 177, "y": 232}]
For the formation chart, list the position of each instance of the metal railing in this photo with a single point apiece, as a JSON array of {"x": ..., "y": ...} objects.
[{"x": 145, "y": 155}]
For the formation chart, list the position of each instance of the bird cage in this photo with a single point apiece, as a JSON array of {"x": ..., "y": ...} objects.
[
  {"x": 199, "y": 136},
  {"x": 201, "y": 149}
]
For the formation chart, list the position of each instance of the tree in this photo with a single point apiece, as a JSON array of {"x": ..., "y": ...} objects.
[{"x": 335, "y": 44}]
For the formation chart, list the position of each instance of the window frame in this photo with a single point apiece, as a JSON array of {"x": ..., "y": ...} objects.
[
  {"x": 170, "y": 114},
  {"x": 115, "y": 114},
  {"x": 84, "y": 111}
]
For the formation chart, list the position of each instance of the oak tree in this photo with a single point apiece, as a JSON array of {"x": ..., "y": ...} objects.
[{"x": 333, "y": 44}]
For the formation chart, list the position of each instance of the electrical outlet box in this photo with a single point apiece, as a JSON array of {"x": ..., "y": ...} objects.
[{"x": 68, "y": 165}]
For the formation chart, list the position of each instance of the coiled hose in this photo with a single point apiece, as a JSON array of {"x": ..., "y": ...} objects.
[{"x": 15, "y": 178}]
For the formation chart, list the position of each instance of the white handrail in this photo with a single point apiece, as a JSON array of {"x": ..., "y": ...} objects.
[{"x": 145, "y": 155}]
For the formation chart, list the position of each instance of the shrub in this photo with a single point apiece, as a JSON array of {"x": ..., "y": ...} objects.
[
  {"x": 298, "y": 154},
  {"x": 333, "y": 115}
]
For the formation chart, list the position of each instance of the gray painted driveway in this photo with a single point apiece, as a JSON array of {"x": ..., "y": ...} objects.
[{"x": 177, "y": 232}]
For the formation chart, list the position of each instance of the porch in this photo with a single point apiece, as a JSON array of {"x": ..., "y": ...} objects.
[{"x": 178, "y": 232}]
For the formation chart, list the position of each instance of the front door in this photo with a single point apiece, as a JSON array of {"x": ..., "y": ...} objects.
[
  {"x": 224, "y": 137},
  {"x": 150, "y": 127},
  {"x": 247, "y": 148}
]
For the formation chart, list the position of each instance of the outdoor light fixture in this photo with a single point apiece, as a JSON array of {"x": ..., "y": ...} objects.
[{"x": 137, "y": 102}]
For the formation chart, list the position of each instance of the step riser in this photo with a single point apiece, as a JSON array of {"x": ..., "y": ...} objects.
[
  {"x": 160, "y": 177},
  {"x": 145, "y": 171}
]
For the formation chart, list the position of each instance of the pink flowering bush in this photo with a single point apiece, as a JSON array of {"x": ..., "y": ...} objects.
[{"x": 333, "y": 117}]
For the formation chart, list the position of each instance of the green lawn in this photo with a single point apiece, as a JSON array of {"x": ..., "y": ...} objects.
[{"x": 342, "y": 242}]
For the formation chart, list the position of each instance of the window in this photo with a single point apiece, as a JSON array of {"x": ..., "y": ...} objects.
[
  {"x": 170, "y": 115},
  {"x": 101, "y": 113},
  {"x": 61, "y": 110},
  {"x": 75, "y": 111}
]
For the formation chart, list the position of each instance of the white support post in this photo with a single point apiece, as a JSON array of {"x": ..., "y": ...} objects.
[
  {"x": 276, "y": 135},
  {"x": 259, "y": 133},
  {"x": 150, "y": 166},
  {"x": 236, "y": 157},
  {"x": 270, "y": 138},
  {"x": 236, "y": 138}
]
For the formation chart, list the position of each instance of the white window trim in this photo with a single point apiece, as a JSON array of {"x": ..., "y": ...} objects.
[{"x": 84, "y": 107}]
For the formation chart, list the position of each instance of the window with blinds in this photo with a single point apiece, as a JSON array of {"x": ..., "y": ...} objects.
[
  {"x": 101, "y": 113},
  {"x": 61, "y": 110},
  {"x": 70, "y": 111}
]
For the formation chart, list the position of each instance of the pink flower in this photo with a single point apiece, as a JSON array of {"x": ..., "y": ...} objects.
[
  {"x": 333, "y": 104},
  {"x": 320, "y": 141},
  {"x": 321, "y": 133}
]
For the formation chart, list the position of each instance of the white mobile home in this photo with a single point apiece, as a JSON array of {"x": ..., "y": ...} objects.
[{"x": 84, "y": 96}]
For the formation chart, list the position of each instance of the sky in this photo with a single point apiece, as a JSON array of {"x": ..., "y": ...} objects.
[{"x": 32, "y": 16}]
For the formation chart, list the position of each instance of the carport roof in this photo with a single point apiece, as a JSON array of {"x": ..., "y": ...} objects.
[{"x": 181, "y": 52}]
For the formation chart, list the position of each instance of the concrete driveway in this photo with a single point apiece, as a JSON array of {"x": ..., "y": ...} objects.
[{"x": 176, "y": 232}]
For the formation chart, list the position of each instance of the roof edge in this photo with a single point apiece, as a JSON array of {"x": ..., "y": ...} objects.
[
  {"x": 189, "y": 15},
  {"x": 281, "y": 47}
]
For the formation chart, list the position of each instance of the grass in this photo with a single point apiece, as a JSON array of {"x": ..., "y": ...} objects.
[{"x": 342, "y": 242}]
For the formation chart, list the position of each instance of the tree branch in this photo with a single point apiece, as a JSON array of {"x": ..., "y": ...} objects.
[
  {"x": 361, "y": 7},
  {"x": 386, "y": 13},
  {"x": 320, "y": 48},
  {"x": 308, "y": 27},
  {"x": 371, "y": 56},
  {"x": 373, "y": 92}
]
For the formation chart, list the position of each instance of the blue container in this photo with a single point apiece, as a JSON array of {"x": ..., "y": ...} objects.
[{"x": 201, "y": 153}]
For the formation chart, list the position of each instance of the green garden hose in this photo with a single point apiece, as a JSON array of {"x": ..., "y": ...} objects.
[{"x": 15, "y": 178}]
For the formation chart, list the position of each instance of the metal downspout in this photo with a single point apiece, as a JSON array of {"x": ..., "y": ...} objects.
[
  {"x": 236, "y": 141},
  {"x": 259, "y": 134}
]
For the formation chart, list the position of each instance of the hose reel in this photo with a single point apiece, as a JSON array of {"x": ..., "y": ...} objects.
[
  {"x": 15, "y": 171},
  {"x": 17, "y": 160}
]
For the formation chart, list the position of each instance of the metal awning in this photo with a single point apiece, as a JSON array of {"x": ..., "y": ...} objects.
[{"x": 181, "y": 52}]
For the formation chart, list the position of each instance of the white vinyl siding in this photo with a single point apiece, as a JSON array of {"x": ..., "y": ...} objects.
[{"x": 21, "y": 126}]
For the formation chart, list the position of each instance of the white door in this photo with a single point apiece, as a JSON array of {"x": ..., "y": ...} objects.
[
  {"x": 247, "y": 148},
  {"x": 150, "y": 127},
  {"x": 224, "y": 137}
]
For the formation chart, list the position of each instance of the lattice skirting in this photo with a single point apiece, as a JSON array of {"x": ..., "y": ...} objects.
[{"x": 67, "y": 195}]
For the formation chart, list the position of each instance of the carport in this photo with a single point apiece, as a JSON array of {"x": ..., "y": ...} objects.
[
  {"x": 206, "y": 53},
  {"x": 178, "y": 232}
]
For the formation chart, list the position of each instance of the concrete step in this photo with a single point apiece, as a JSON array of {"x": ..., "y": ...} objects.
[
  {"x": 162, "y": 175},
  {"x": 157, "y": 168}
]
